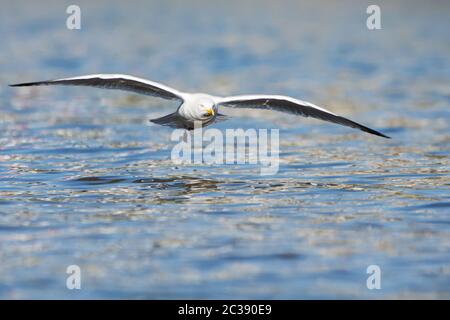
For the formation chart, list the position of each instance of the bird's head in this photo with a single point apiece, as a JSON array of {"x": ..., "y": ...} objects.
[
  {"x": 205, "y": 109},
  {"x": 198, "y": 107}
]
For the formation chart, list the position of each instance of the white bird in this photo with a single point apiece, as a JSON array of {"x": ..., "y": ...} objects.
[{"x": 200, "y": 107}]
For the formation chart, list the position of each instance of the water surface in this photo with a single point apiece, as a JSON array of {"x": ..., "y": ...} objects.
[{"x": 85, "y": 180}]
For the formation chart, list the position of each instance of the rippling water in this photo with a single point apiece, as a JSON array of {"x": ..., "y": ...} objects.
[{"x": 85, "y": 180}]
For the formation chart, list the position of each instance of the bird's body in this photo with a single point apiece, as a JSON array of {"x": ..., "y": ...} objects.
[
  {"x": 198, "y": 107},
  {"x": 201, "y": 108}
]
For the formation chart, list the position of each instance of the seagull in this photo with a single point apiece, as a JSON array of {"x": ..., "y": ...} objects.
[{"x": 200, "y": 108}]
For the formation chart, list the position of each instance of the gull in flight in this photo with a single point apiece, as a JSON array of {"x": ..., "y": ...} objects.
[{"x": 199, "y": 107}]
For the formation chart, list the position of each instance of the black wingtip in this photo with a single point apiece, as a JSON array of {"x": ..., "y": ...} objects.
[
  {"x": 374, "y": 132},
  {"x": 380, "y": 134},
  {"x": 350, "y": 123},
  {"x": 25, "y": 84}
]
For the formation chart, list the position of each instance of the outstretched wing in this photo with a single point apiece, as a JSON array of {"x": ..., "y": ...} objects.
[
  {"x": 114, "y": 81},
  {"x": 293, "y": 106}
]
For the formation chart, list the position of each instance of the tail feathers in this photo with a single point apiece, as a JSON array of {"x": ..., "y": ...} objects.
[{"x": 172, "y": 120}]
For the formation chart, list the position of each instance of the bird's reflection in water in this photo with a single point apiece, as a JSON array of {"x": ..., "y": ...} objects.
[
  {"x": 171, "y": 189},
  {"x": 183, "y": 188}
]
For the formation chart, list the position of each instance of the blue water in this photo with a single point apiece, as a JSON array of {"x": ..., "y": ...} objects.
[{"x": 85, "y": 180}]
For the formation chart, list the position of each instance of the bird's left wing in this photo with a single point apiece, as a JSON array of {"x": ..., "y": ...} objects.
[
  {"x": 114, "y": 81},
  {"x": 292, "y": 106}
]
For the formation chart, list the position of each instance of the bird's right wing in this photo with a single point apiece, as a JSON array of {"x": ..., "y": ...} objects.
[
  {"x": 292, "y": 106},
  {"x": 115, "y": 81}
]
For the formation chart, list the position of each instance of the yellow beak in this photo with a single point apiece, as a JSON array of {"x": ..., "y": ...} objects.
[{"x": 210, "y": 112}]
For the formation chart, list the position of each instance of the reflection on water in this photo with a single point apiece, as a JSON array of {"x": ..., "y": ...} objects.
[{"x": 86, "y": 180}]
